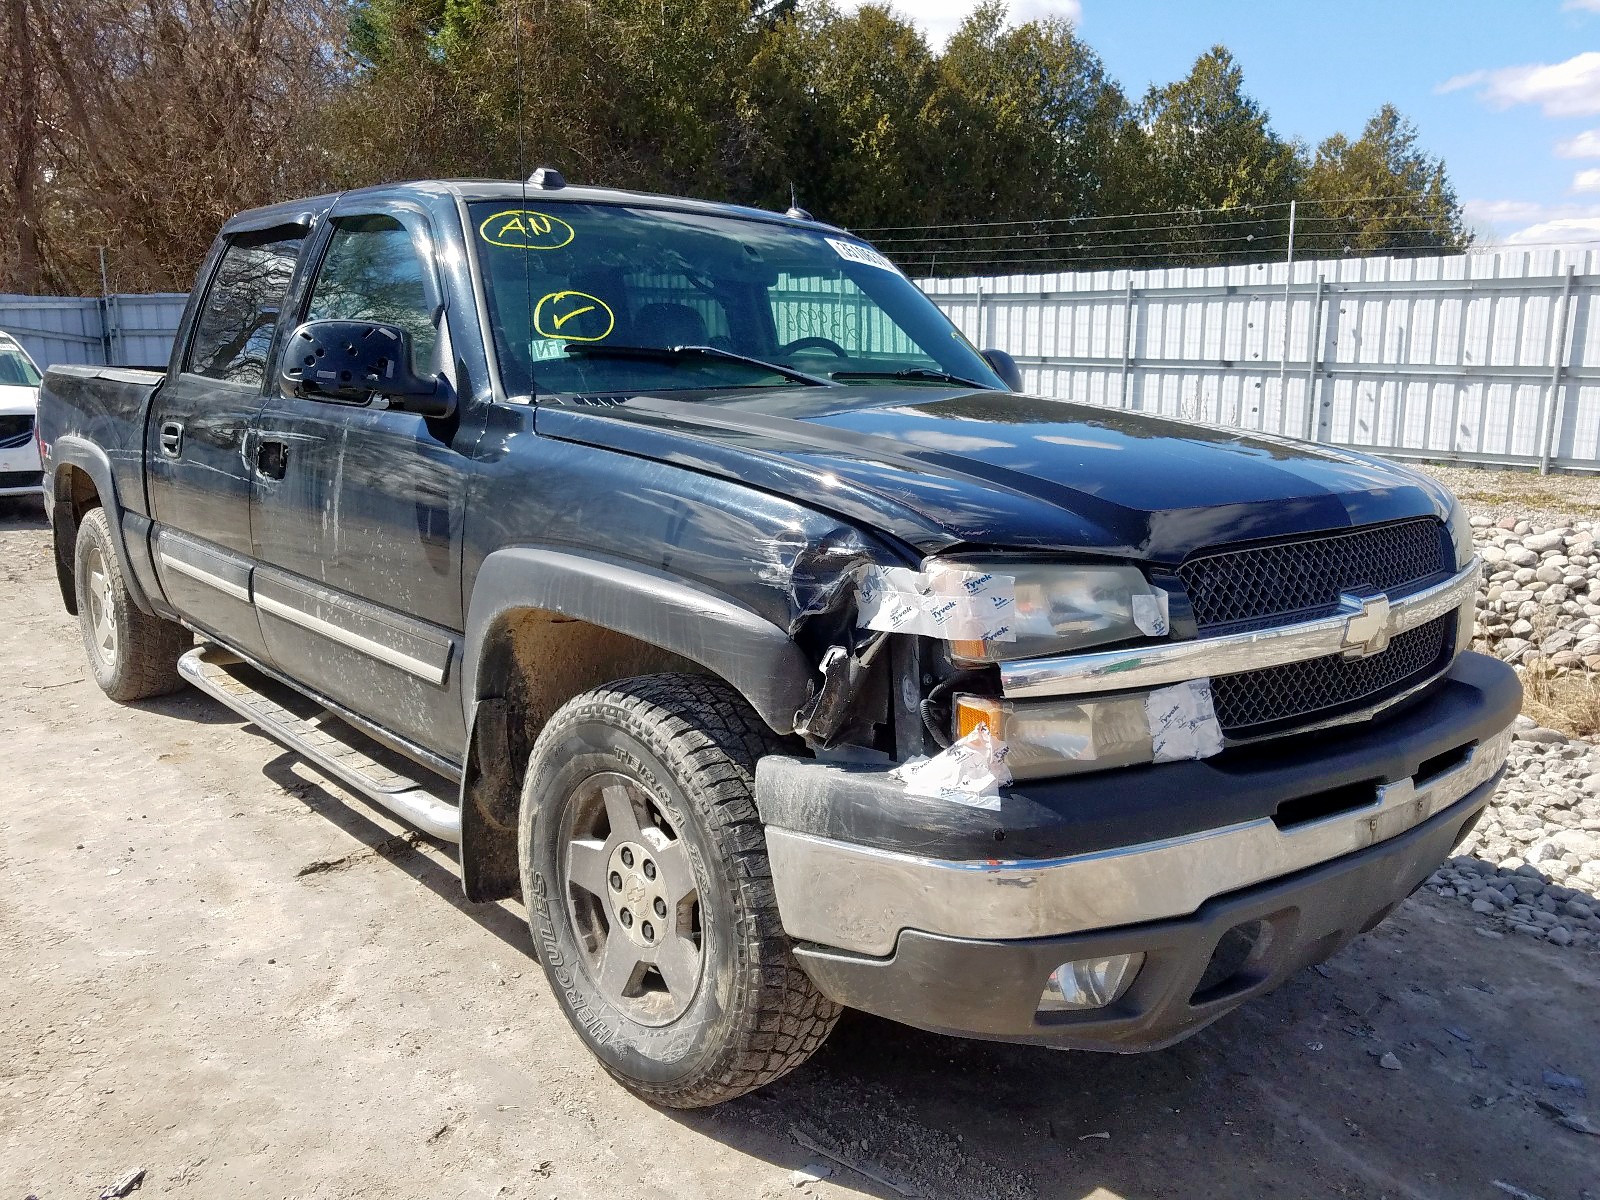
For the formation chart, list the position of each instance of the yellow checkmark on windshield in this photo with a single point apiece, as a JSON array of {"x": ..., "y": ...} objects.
[
  {"x": 549, "y": 321},
  {"x": 578, "y": 312}
]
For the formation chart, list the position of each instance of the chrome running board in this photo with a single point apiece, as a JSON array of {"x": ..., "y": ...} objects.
[{"x": 323, "y": 739}]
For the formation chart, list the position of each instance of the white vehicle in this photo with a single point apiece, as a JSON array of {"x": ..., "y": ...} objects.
[{"x": 20, "y": 472}]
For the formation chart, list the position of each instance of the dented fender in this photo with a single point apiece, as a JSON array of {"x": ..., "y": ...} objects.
[{"x": 752, "y": 654}]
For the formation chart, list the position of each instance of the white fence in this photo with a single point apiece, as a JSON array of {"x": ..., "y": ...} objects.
[
  {"x": 1483, "y": 357},
  {"x": 123, "y": 331}
]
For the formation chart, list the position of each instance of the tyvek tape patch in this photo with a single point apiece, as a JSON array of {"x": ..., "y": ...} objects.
[
  {"x": 970, "y": 771},
  {"x": 958, "y": 606},
  {"x": 1150, "y": 613},
  {"x": 1183, "y": 722}
]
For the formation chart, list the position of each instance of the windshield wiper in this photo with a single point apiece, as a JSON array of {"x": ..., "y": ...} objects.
[
  {"x": 679, "y": 353},
  {"x": 915, "y": 374}
]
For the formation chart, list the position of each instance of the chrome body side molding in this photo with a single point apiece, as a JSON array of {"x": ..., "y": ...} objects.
[
  {"x": 216, "y": 568},
  {"x": 409, "y": 645}
]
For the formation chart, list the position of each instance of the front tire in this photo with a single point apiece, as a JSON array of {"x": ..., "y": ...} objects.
[
  {"x": 132, "y": 655},
  {"x": 649, "y": 895}
]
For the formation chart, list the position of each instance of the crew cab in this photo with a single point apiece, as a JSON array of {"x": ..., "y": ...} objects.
[{"x": 690, "y": 570}]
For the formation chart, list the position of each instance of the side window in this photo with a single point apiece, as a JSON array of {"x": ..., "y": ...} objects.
[
  {"x": 372, "y": 272},
  {"x": 233, "y": 336}
]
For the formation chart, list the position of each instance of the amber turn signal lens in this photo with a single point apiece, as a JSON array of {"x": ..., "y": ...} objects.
[
  {"x": 970, "y": 651},
  {"x": 972, "y": 711}
]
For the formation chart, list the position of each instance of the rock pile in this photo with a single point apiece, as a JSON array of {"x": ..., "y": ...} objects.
[
  {"x": 1532, "y": 865},
  {"x": 1542, "y": 595}
]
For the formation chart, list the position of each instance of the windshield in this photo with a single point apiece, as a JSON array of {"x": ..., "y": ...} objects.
[
  {"x": 16, "y": 370},
  {"x": 577, "y": 290}
]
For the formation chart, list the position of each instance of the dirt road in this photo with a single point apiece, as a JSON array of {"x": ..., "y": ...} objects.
[{"x": 221, "y": 969}]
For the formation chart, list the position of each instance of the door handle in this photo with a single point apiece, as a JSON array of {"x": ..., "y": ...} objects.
[
  {"x": 272, "y": 459},
  {"x": 171, "y": 440}
]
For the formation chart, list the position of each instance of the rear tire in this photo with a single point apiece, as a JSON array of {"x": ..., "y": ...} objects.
[
  {"x": 645, "y": 870},
  {"x": 131, "y": 654}
]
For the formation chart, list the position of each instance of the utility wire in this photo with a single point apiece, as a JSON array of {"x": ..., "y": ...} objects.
[
  {"x": 1171, "y": 212},
  {"x": 1072, "y": 262}
]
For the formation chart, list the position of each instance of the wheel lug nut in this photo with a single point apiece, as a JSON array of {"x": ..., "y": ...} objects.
[
  {"x": 649, "y": 869},
  {"x": 627, "y": 917},
  {"x": 627, "y": 857},
  {"x": 649, "y": 931},
  {"x": 661, "y": 907},
  {"x": 616, "y": 882}
]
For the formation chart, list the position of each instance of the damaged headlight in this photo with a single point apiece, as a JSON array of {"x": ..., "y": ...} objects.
[{"x": 992, "y": 611}]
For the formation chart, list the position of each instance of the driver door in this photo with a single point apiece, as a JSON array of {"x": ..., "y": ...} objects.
[{"x": 357, "y": 510}]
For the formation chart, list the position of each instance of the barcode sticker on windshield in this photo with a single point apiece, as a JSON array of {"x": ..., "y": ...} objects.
[{"x": 857, "y": 253}]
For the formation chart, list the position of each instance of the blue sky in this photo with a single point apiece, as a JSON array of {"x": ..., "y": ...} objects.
[{"x": 1506, "y": 91}]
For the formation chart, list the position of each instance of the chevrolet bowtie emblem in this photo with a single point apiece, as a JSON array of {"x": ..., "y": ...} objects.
[{"x": 1367, "y": 632}]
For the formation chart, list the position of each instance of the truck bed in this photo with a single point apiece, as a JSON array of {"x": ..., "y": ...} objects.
[{"x": 106, "y": 407}]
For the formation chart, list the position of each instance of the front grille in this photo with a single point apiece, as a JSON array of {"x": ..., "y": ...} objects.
[
  {"x": 20, "y": 479},
  {"x": 1255, "y": 703},
  {"x": 15, "y": 430},
  {"x": 1275, "y": 584}
]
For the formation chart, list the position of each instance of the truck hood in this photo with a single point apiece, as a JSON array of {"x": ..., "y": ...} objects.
[
  {"x": 15, "y": 399},
  {"x": 939, "y": 468}
]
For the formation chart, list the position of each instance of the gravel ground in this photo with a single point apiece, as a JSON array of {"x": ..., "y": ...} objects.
[
  {"x": 1532, "y": 866},
  {"x": 1523, "y": 495}
]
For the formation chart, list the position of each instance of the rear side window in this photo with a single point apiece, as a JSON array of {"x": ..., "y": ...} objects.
[
  {"x": 233, "y": 336},
  {"x": 372, "y": 272}
]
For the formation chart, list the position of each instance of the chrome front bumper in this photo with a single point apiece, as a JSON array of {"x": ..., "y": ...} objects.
[{"x": 860, "y": 898}]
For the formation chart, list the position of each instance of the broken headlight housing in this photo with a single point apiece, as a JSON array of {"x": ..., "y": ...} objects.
[{"x": 1060, "y": 607}]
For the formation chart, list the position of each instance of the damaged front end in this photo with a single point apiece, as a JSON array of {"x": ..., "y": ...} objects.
[{"x": 941, "y": 713}]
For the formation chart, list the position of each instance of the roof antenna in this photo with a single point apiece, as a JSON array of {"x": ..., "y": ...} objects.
[{"x": 795, "y": 211}]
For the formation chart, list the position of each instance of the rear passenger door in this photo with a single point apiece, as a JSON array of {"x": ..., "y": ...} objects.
[
  {"x": 358, "y": 524},
  {"x": 197, "y": 458}
]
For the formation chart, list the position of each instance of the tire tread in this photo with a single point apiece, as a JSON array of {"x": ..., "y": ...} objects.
[
  {"x": 716, "y": 739},
  {"x": 148, "y": 646}
]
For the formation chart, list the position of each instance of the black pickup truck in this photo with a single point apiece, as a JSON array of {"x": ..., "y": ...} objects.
[{"x": 686, "y": 566}]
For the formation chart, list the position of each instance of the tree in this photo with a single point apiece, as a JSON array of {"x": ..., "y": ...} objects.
[
  {"x": 1208, "y": 146},
  {"x": 146, "y": 123},
  {"x": 1023, "y": 120},
  {"x": 859, "y": 150},
  {"x": 1380, "y": 193}
]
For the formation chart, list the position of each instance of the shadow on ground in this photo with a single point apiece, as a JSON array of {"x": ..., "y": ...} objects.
[{"x": 26, "y": 512}]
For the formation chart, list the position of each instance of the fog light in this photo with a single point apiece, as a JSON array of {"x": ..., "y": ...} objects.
[{"x": 1089, "y": 982}]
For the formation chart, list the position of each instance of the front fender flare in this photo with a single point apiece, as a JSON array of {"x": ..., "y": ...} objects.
[{"x": 750, "y": 653}]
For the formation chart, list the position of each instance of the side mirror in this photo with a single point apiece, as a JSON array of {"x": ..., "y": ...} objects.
[
  {"x": 1006, "y": 367},
  {"x": 350, "y": 362}
]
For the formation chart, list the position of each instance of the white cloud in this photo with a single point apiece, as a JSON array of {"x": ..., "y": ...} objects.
[
  {"x": 1584, "y": 145},
  {"x": 1566, "y": 229},
  {"x": 1587, "y": 181},
  {"x": 1563, "y": 89},
  {"x": 1521, "y": 222},
  {"x": 1581, "y": 6},
  {"x": 1503, "y": 212},
  {"x": 938, "y": 19}
]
